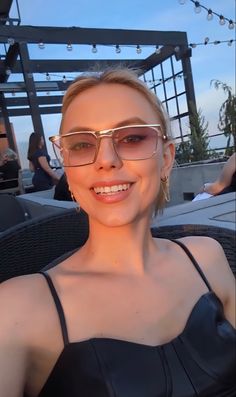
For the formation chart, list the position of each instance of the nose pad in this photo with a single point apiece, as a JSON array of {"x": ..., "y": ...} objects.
[{"x": 107, "y": 156}]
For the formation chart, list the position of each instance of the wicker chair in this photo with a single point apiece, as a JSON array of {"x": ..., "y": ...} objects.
[
  {"x": 31, "y": 245},
  {"x": 45, "y": 241}
]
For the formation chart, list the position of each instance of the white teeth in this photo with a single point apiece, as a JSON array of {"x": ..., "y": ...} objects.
[{"x": 111, "y": 189}]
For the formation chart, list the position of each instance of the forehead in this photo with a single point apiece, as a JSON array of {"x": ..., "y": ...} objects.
[{"x": 105, "y": 105}]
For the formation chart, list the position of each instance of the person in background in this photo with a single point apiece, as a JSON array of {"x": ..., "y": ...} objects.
[
  {"x": 9, "y": 168},
  {"x": 226, "y": 181},
  {"x": 127, "y": 314},
  {"x": 39, "y": 162},
  {"x": 62, "y": 192}
]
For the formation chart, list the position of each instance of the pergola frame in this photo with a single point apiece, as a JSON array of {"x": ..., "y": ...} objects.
[{"x": 17, "y": 60}]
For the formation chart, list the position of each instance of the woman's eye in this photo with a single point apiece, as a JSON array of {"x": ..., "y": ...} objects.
[
  {"x": 80, "y": 146},
  {"x": 133, "y": 139}
]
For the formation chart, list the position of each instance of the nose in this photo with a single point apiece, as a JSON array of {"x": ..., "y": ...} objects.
[{"x": 106, "y": 156}]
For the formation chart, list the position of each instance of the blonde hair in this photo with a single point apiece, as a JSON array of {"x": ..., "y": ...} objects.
[{"x": 129, "y": 78}]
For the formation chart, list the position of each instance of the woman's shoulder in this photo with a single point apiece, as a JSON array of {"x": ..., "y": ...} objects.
[
  {"x": 211, "y": 258},
  {"x": 20, "y": 297}
]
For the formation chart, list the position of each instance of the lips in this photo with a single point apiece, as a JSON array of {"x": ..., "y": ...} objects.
[{"x": 113, "y": 189}]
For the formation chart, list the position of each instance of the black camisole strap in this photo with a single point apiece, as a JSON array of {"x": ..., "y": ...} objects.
[
  {"x": 193, "y": 260},
  {"x": 59, "y": 307}
]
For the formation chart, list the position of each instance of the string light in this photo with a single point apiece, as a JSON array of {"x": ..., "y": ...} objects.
[
  {"x": 231, "y": 24},
  {"x": 41, "y": 45},
  {"x": 157, "y": 50},
  {"x": 94, "y": 49},
  {"x": 207, "y": 41},
  {"x": 69, "y": 47},
  {"x": 197, "y": 8},
  {"x": 118, "y": 50},
  {"x": 64, "y": 79},
  {"x": 48, "y": 78},
  {"x": 138, "y": 49},
  {"x": 210, "y": 13},
  {"x": 222, "y": 20}
]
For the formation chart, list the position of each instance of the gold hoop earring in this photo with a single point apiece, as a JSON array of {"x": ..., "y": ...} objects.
[
  {"x": 165, "y": 188},
  {"x": 73, "y": 199}
]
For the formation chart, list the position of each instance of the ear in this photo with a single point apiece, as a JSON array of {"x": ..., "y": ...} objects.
[{"x": 168, "y": 158}]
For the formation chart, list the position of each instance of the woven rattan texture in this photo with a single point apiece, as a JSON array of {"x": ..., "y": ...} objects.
[
  {"x": 225, "y": 237},
  {"x": 29, "y": 246}
]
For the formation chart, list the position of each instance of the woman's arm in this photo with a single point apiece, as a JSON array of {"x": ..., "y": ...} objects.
[
  {"x": 224, "y": 178},
  {"x": 44, "y": 164},
  {"x": 13, "y": 354},
  {"x": 31, "y": 166}
]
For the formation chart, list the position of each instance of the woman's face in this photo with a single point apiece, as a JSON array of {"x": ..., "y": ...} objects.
[{"x": 103, "y": 107}]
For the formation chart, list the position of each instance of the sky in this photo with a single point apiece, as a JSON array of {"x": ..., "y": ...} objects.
[{"x": 208, "y": 61}]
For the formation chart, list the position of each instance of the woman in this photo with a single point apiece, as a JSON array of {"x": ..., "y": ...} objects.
[
  {"x": 226, "y": 181},
  {"x": 126, "y": 315},
  {"x": 44, "y": 177}
]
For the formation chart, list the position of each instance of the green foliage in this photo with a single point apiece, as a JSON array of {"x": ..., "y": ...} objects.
[
  {"x": 196, "y": 148},
  {"x": 227, "y": 116}
]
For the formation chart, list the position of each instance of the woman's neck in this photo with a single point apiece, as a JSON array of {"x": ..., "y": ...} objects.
[{"x": 123, "y": 249}]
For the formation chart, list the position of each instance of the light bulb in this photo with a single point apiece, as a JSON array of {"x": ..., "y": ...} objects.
[
  {"x": 206, "y": 41},
  {"x": 230, "y": 42},
  {"x": 216, "y": 42},
  {"x": 48, "y": 78},
  {"x": 197, "y": 8},
  {"x": 157, "y": 50},
  {"x": 64, "y": 79},
  {"x": 41, "y": 45},
  {"x": 69, "y": 47},
  {"x": 94, "y": 49},
  {"x": 209, "y": 15},
  {"x": 222, "y": 20},
  {"x": 231, "y": 24},
  {"x": 176, "y": 49},
  {"x": 193, "y": 45},
  {"x": 8, "y": 71},
  {"x": 118, "y": 50},
  {"x": 138, "y": 49}
]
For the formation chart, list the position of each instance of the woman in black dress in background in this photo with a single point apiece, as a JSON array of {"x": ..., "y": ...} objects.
[{"x": 44, "y": 177}]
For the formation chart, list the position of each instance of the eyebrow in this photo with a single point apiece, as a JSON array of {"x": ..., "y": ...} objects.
[{"x": 130, "y": 121}]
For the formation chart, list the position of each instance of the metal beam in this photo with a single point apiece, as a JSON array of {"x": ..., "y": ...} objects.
[
  {"x": 42, "y": 100},
  {"x": 27, "y": 111},
  {"x": 76, "y": 35},
  {"x": 69, "y": 66}
]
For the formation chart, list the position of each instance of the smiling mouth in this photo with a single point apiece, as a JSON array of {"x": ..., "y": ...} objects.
[{"x": 103, "y": 190}]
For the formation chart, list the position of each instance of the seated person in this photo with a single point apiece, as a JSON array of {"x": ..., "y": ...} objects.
[
  {"x": 225, "y": 183},
  {"x": 62, "y": 192},
  {"x": 9, "y": 169}
]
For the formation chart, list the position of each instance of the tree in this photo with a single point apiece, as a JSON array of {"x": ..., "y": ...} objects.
[
  {"x": 227, "y": 116},
  {"x": 199, "y": 136},
  {"x": 196, "y": 148}
]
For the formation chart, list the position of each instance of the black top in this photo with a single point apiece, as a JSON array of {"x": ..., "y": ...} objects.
[
  {"x": 41, "y": 179},
  {"x": 10, "y": 171},
  {"x": 198, "y": 362}
]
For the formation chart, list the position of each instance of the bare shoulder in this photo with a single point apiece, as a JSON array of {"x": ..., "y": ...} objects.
[
  {"x": 17, "y": 299},
  {"x": 211, "y": 258}
]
